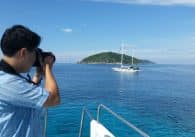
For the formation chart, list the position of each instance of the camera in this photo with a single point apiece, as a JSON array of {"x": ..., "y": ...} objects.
[{"x": 40, "y": 56}]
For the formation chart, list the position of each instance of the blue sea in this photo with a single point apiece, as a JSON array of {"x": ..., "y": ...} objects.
[{"x": 160, "y": 99}]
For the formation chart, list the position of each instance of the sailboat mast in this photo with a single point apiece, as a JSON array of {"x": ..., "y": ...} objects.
[
  {"x": 132, "y": 57},
  {"x": 122, "y": 46}
]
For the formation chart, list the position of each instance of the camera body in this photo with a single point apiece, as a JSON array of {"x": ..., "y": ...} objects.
[{"x": 40, "y": 56}]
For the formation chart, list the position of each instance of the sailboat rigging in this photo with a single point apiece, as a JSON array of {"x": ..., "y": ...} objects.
[{"x": 124, "y": 68}]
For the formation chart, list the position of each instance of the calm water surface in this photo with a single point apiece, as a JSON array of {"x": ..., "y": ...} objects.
[{"x": 160, "y": 99}]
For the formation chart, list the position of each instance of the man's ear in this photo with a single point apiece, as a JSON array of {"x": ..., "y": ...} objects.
[{"x": 22, "y": 52}]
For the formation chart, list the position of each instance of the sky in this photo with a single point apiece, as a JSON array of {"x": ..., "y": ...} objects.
[{"x": 162, "y": 31}]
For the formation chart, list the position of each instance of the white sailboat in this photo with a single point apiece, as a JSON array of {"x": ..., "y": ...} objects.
[{"x": 123, "y": 68}]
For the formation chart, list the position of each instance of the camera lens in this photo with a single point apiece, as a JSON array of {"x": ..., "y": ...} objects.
[{"x": 40, "y": 56}]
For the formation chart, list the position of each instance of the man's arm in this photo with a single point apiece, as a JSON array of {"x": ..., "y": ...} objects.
[{"x": 50, "y": 84}]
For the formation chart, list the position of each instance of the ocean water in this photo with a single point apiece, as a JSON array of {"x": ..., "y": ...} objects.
[{"x": 160, "y": 99}]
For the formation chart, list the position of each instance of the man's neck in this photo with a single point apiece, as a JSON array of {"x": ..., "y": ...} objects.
[{"x": 12, "y": 62}]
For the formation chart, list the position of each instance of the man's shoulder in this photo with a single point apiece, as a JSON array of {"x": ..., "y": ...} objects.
[{"x": 6, "y": 78}]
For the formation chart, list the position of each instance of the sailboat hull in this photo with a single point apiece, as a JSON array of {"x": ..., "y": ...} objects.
[{"x": 126, "y": 69}]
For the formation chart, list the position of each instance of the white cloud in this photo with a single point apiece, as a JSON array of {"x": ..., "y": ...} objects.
[
  {"x": 67, "y": 30},
  {"x": 152, "y": 2}
]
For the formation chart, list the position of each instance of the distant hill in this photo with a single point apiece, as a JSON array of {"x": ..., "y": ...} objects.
[{"x": 111, "y": 57}]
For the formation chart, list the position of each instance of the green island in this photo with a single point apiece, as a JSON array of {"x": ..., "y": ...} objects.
[{"x": 112, "y": 58}]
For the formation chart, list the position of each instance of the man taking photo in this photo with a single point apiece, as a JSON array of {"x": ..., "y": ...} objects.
[{"x": 22, "y": 100}]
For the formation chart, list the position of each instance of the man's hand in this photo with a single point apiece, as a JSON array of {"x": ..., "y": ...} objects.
[{"x": 49, "y": 60}]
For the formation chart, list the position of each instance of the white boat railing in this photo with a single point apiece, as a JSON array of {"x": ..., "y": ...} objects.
[
  {"x": 82, "y": 119},
  {"x": 45, "y": 123},
  {"x": 142, "y": 133}
]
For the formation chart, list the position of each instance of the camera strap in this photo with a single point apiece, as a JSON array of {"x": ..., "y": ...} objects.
[{"x": 4, "y": 66}]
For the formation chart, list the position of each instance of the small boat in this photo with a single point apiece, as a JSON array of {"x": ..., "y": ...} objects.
[
  {"x": 126, "y": 69},
  {"x": 123, "y": 68}
]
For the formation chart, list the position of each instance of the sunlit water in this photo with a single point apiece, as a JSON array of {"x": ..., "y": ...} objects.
[{"x": 160, "y": 99}]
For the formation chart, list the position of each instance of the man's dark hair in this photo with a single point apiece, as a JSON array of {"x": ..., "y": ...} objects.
[{"x": 18, "y": 37}]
